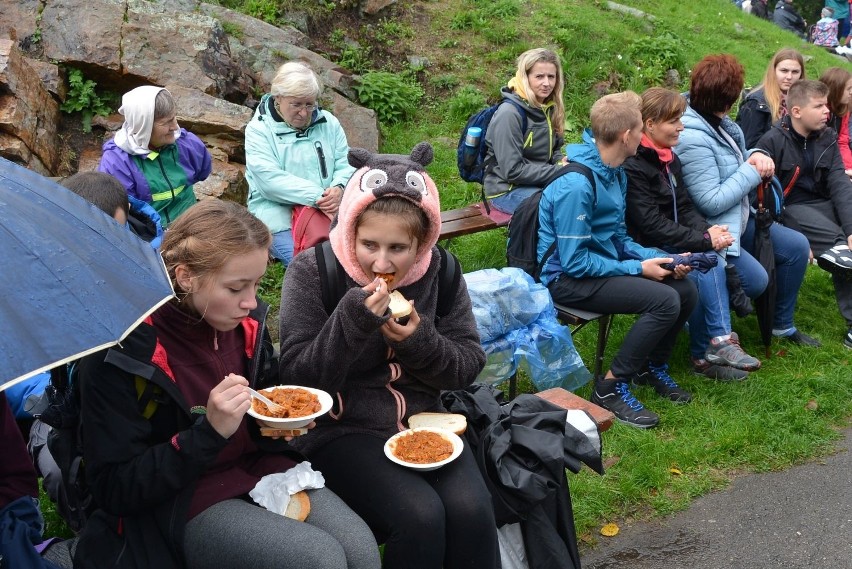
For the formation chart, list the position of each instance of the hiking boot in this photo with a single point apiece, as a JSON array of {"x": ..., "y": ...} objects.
[
  {"x": 729, "y": 353},
  {"x": 658, "y": 377},
  {"x": 837, "y": 261},
  {"x": 802, "y": 339},
  {"x": 614, "y": 395},
  {"x": 718, "y": 372},
  {"x": 740, "y": 303},
  {"x": 847, "y": 341}
]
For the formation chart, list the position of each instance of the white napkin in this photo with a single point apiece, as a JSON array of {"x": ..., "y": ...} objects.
[{"x": 273, "y": 491}]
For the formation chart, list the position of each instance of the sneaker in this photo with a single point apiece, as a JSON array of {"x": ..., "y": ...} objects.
[
  {"x": 718, "y": 372},
  {"x": 802, "y": 339},
  {"x": 847, "y": 341},
  {"x": 614, "y": 395},
  {"x": 658, "y": 377},
  {"x": 837, "y": 261},
  {"x": 729, "y": 353}
]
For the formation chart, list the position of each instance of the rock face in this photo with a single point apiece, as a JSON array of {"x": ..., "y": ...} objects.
[
  {"x": 214, "y": 61},
  {"x": 28, "y": 114}
]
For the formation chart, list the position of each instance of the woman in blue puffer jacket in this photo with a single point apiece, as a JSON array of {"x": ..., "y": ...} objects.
[{"x": 720, "y": 175}]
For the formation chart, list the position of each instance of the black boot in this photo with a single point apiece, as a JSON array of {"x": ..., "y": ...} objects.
[{"x": 740, "y": 303}]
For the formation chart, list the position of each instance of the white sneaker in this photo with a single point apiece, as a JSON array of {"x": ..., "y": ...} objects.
[{"x": 837, "y": 261}]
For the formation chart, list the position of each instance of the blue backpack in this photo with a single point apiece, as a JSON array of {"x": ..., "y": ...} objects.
[{"x": 474, "y": 171}]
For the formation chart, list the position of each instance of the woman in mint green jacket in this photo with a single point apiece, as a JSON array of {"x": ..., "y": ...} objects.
[{"x": 296, "y": 154}]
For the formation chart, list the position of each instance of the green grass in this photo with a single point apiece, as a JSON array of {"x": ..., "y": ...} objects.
[{"x": 787, "y": 412}]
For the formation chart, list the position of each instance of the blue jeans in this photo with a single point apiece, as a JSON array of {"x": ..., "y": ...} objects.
[
  {"x": 508, "y": 203},
  {"x": 282, "y": 246},
  {"x": 712, "y": 314},
  {"x": 791, "y": 261}
]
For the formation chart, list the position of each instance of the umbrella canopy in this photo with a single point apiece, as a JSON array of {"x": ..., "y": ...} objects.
[
  {"x": 72, "y": 280},
  {"x": 769, "y": 203}
]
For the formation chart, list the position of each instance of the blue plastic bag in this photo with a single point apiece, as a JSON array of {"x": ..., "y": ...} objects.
[{"x": 517, "y": 325}]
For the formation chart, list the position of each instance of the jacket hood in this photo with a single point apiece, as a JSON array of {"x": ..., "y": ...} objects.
[
  {"x": 379, "y": 176},
  {"x": 535, "y": 113},
  {"x": 587, "y": 153}
]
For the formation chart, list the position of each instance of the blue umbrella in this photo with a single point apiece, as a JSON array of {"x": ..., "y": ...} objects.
[{"x": 72, "y": 280}]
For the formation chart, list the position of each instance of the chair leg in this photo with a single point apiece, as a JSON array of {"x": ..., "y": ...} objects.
[
  {"x": 604, "y": 326},
  {"x": 513, "y": 386}
]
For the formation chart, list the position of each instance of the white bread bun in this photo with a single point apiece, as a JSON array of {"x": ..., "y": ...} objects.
[
  {"x": 450, "y": 421},
  {"x": 399, "y": 307},
  {"x": 298, "y": 507}
]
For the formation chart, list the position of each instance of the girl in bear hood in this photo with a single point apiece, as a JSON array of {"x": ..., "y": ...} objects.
[{"x": 381, "y": 371}]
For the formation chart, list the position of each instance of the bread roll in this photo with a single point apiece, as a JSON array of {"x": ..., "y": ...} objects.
[
  {"x": 298, "y": 507},
  {"x": 450, "y": 421},
  {"x": 399, "y": 307}
]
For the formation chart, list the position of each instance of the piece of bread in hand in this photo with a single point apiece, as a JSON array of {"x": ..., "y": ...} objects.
[
  {"x": 399, "y": 307},
  {"x": 298, "y": 507},
  {"x": 449, "y": 421}
]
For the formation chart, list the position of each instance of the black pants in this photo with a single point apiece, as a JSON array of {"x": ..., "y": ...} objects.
[
  {"x": 427, "y": 520},
  {"x": 821, "y": 225},
  {"x": 664, "y": 308}
]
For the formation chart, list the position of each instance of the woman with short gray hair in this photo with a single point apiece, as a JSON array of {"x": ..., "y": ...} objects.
[{"x": 296, "y": 156}]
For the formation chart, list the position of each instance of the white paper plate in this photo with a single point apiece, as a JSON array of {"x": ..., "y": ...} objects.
[
  {"x": 325, "y": 401},
  {"x": 456, "y": 441}
]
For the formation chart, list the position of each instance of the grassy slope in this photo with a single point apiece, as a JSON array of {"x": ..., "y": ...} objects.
[{"x": 785, "y": 413}]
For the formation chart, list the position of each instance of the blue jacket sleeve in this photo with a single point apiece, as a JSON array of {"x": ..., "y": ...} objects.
[
  {"x": 712, "y": 194},
  {"x": 571, "y": 199}
]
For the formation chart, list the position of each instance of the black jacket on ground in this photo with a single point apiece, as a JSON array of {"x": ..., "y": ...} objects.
[
  {"x": 810, "y": 170},
  {"x": 754, "y": 117},
  {"x": 170, "y": 450},
  {"x": 522, "y": 449},
  {"x": 651, "y": 206}
]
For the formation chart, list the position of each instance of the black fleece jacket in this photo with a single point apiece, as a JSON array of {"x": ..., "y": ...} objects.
[
  {"x": 652, "y": 203},
  {"x": 143, "y": 472}
]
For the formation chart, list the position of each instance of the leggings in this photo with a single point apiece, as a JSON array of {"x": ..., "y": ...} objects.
[
  {"x": 427, "y": 520},
  {"x": 236, "y": 534}
]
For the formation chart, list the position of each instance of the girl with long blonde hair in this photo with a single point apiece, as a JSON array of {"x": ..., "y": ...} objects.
[
  {"x": 525, "y": 137},
  {"x": 766, "y": 104}
]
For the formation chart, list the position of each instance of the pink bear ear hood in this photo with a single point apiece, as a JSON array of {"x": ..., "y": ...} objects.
[{"x": 379, "y": 176}]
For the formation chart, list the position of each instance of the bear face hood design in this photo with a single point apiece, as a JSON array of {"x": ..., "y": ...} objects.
[{"x": 379, "y": 176}]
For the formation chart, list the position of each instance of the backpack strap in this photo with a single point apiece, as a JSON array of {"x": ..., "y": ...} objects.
[
  {"x": 331, "y": 273},
  {"x": 333, "y": 283},
  {"x": 449, "y": 274},
  {"x": 590, "y": 176}
]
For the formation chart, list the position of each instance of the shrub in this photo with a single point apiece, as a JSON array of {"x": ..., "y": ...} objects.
[
  {"x": 446, "y": 81},
  {"x": 394, "y": 97},
  {"x": 465, "y": 102},
  {"x": 354, "y": 58},
  {"x": 83, "y": 98}
]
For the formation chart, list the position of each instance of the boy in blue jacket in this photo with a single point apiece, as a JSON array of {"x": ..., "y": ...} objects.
[{"x": 595, "y": 263}]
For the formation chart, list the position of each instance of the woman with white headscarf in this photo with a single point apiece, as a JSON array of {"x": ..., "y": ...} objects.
[{"x": 157, "y": 161}]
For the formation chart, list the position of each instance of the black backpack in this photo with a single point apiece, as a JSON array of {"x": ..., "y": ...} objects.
[
  {"x": 474, "y": 171},
  {"x": 65, "y": 439},
  {"x": 522, "y": 246},
  {"x": 333, "y": 279}
]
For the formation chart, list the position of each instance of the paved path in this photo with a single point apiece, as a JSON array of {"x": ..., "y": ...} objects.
[{"x": 796, "y": 519}]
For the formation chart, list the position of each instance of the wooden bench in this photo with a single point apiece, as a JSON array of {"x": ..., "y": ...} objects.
[
  {"x": 603, "y": 418},
  {"x": 467, "y": 220}
]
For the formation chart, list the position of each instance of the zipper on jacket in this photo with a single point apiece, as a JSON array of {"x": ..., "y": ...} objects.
[
  {"x": 171, "y": 187},
  {"x": 321, "y": 156}
]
